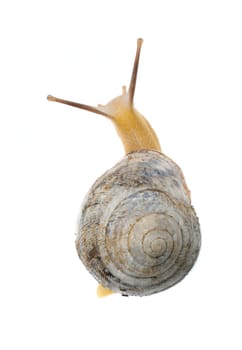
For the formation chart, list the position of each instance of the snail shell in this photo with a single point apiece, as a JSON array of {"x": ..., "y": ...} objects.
[{"x": 138, "y": 233}]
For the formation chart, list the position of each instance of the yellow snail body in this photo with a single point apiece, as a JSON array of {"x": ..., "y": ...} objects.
[{"x": 138, "y": 233}]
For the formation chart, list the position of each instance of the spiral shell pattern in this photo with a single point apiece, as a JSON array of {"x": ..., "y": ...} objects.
[{"x": 138, "y": 233}]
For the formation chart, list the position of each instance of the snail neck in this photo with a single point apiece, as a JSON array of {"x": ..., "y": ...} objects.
[{"x": 134, "y": 130}]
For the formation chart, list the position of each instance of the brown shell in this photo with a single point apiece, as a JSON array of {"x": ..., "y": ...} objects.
[{"x": 138, "y": 233}]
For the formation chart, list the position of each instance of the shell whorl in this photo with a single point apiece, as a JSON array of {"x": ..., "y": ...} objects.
[{"x": 138, "y": 233}]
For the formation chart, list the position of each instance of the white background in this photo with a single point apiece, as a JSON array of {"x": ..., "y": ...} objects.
[{"x": 190, "y": 89}]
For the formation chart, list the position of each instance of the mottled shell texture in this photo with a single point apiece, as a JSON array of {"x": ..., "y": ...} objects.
[{"x": 138, "y": 233}]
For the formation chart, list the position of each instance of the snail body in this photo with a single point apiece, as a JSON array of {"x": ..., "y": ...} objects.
[{"x": 138, "y": 233}]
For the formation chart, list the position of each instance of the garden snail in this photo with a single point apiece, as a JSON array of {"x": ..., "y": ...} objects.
[{"x": 138, "y": 233}]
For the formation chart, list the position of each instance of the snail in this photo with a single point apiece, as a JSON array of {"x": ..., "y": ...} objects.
[{"x": 138, "y": 233}]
